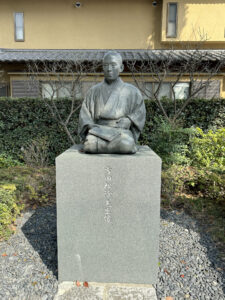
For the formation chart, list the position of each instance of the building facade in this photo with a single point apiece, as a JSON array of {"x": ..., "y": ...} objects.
[{"x": 53, "y": 30}]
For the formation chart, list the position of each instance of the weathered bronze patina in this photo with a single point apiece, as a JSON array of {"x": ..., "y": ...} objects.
[{"x": 113, "y": 113}]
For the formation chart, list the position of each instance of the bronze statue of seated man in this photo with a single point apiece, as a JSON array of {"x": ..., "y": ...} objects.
[{"x": 113, "y": 112}]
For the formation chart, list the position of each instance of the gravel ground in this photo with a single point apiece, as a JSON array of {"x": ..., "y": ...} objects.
[{"x": 188, "y": 265}]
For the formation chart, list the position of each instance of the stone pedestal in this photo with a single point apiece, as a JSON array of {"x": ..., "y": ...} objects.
[{"x": 108, "y": 216}]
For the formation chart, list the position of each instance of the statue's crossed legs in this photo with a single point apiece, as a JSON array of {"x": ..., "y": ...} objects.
[{"x": 124, "y": 144}]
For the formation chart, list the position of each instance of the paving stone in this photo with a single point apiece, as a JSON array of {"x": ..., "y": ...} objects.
[
  {"x": 131, "y": 293},
  {"x": 105, "y": 291}
]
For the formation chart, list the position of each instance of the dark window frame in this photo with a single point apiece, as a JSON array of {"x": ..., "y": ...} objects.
[
  {"x": 167, "y": 20},
  {"x": 15, "y": 35},
  {"x": 6, "y": 87}
]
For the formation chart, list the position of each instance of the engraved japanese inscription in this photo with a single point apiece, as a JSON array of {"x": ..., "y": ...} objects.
[{"x": 108, "y": 194}]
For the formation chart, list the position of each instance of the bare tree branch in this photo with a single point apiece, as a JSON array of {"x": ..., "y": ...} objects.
[
  {"x": 196, "y": 68},
  {"x": 61, "y": 79}
]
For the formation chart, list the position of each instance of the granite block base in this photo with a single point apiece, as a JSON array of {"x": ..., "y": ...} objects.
[{"x": 108, "y": 209}]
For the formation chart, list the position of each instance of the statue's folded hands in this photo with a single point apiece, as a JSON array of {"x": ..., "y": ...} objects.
[{"x": 124, "y": 123}]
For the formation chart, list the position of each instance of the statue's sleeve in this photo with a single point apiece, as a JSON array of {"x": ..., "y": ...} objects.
[
  {"x": 138, "y": 115},
  {"x": 85, "y": 117}
]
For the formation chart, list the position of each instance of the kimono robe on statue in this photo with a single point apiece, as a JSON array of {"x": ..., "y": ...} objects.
[{"x": 104, "y": 105}]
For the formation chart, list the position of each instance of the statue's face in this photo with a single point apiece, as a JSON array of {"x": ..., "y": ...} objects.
[{"x": 112, "y": 67}]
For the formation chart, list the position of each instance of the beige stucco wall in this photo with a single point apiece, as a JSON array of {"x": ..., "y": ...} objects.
[
  {"x": 198, "y": 20},
  {"x": 111, "y": 24},
  {"x": 97, "y": 24}
]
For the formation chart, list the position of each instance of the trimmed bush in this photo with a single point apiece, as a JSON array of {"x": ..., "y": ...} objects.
[
  {"x": 25, "y": 120},
  {"x": 171, "y": 142},
  {"x": 203, "y": 113}
]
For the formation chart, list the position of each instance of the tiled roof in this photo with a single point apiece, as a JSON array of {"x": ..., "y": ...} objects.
[{"x": 21, "y": 55}]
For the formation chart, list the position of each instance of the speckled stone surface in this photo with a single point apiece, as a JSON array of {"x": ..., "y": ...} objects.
[
  {"x": 102, "y": 291},
  {"x": 108, "y": 216}
]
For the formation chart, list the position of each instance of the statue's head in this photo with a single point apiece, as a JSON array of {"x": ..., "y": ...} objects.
[{"x": 112, "y": 65}]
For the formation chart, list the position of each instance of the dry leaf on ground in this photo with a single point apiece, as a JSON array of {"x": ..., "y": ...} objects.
[{"x": 78, "y": 283}]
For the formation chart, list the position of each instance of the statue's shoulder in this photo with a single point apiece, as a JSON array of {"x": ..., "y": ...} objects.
[
  {"x": 92, "y": 91},
  {"x": 95, "y": 87},
  {"x": 133, "y": 89}
]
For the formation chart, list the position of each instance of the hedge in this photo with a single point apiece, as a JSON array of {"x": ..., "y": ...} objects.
[{"x": 22, "y": 120}]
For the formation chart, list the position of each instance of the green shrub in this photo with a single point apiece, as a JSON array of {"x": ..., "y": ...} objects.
[
  {"x": 36, "y": 153},
  {"x": 171, "y": 142},
  {"x": 23, "y": 187},
  {"x": 208, "y": 149},
  {"x": 203, "y": 113},
  {"x": 7, "y": 161},
  {"x": 9, "y": 209},
  {"x": 177, "y": 180},
  {"x": 39, "y": 187},
  {"x": 34, "y": 186},
  {"x": 209, "y": 185},
  {"x": 25, "y": 120},
  {"x": 203, "y": 184}
]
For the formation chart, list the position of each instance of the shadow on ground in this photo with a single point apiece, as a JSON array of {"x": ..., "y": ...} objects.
[{"x": 40, "y": 230}]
